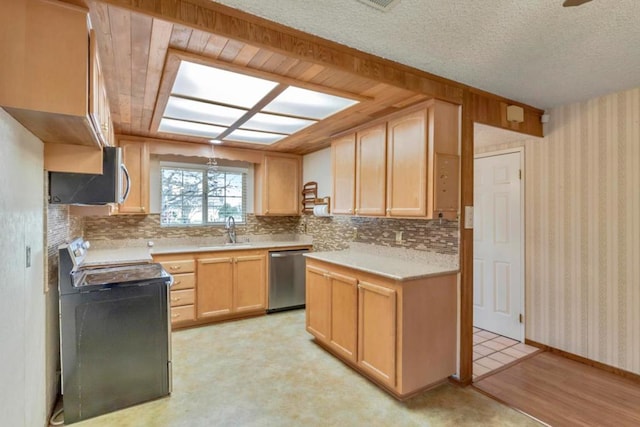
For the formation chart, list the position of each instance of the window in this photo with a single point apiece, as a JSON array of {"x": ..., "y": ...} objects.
[{"x": 199, "y": 196}]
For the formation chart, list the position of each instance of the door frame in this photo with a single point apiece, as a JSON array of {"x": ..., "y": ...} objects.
[{"x": 521, "y": 152}]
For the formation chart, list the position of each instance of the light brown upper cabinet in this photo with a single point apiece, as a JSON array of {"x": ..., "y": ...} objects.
[
  {"x": 343, "y": 160},
  {"x": 444, "y": 161},
  {"x": 277, "y": 190},
  {"x": 407, "y": 164},
  {"x": 135, "y": 156},
  {"x": 371, "y": 148},
  {"x": 47, "y": 69}
]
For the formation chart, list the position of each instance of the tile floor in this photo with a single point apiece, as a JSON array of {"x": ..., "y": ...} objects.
[
  {"x": 492, "y": 351},
  {"x": 267, "y": 371}
]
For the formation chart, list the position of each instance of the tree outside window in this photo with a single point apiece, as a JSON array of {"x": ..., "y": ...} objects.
[{"x": 202, "y": 197}]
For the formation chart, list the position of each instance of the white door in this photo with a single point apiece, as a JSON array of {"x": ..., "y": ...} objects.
[{"x": 498, "y": 280}]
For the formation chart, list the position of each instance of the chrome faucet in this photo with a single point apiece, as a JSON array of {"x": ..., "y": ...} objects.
[{"x": 230, "y": 225}]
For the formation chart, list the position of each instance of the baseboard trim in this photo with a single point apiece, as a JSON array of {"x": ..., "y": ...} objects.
[{"x": 590, "y": 362}]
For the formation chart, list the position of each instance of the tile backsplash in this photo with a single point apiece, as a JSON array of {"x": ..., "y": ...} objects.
[{"x": 329, "y": 233}]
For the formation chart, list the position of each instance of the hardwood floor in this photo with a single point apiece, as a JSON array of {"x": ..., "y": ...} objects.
[{"x": 562, "y": 392}]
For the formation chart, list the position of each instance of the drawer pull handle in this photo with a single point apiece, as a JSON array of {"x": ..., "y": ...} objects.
[
  {"x": 175, "y": 299},
  {"x": 175, "y": 315},
  {"x": 175, "y": 267},
  {"x": 177, "y": 282}
]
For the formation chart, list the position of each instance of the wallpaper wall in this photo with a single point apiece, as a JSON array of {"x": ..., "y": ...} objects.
[
  {"x": 583, "y": 230},
  {"x": 329, "y": 233}
]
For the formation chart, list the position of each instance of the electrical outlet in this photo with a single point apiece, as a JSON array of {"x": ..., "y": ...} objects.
[
  {"x": 399, "y": 236},
  {"x": 355, "y": 233}
]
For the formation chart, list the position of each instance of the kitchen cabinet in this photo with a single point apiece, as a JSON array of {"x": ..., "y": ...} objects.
[
  {"x": 444, "y": 161},
  {"x": 331, "y": 309},
  {"x": 377, "y": 331},
  {"x": 231, "y": 283},
  {"x": 135, "y": 156},
  {"x": 182, "y": 292},
  {"x": 407, "y": 165},
  {"x": 399, "y": 333},
  {"x": 277, "y": 189},
  {"x": 47, "y": 78},
  {"x": 99, "y": 102},
  {"x": 371, "y": 154},
  {"x": 343, "y": 160}
]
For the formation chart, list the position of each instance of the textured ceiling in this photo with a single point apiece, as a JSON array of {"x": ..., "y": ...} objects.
[{"x": 533, "y": 51}]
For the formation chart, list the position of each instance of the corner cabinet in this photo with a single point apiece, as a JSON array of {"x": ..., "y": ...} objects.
[
  {"x": 331, "y": 309},
  {"x": 400, "y": 334},
  {"x": 50, "y": 72},
  {"x": 407, "y": 165},
  {"x": 277, "y": 189},
  {"x": 135, "y": 156}
]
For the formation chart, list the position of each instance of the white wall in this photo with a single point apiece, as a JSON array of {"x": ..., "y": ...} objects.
[
  {"x": 23, "y": 381},
  {"x": 317, "y": 167}
]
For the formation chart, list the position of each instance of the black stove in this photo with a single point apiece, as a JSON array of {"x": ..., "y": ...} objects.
[{"x": 114, "y": 334}]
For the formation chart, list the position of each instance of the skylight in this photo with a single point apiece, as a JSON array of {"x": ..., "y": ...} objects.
[{"x": 218, "y": 104}]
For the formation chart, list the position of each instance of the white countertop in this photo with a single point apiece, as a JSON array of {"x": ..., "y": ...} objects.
[
  {"x": 124, "y": 255},
  {"x": 176, "y": 249},
  {"x": 135, "y": 251},
  {"x": 393, "y": 263}
]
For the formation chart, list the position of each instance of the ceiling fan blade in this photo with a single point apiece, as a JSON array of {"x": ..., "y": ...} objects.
[{"x": 570, "y": 3}]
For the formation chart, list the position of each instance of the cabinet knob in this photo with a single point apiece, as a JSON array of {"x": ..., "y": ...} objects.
[
  {"x": 388, "y": 210},
  {"x": 142, "y": 208},
  {"x": 356, "y": 211},
  {"x": 350, "y": 210},
  {"x": 267, "y": 211}
]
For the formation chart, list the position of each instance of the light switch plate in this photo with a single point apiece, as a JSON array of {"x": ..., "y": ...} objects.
[{"x": 468, "y": 217}]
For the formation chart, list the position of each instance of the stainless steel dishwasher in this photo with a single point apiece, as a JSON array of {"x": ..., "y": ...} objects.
[{"x": 286, "y": 280}]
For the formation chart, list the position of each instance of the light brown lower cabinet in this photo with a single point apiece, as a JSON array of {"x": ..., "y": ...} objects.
[
  {"x": 231, "y": 283},
  {"x": 182, "y": 294},
  {"x": 331, "y": 310},
  {"x": 400, "y": 334},
  {"x": 215, "y": 286}
]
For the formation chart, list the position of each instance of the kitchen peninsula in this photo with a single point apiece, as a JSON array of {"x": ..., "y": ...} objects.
[{"x": 389, "y": 313}]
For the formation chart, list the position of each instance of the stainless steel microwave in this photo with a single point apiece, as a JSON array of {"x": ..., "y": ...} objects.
[{"x": 92, "y": 189}]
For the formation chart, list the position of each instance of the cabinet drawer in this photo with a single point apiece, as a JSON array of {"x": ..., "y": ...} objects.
[
  {"x": 183, "y": 313},
  {"x": 186, "y": 297},
  {"x": 183, "y": 281},
  {"x": 184, "y": 266}
]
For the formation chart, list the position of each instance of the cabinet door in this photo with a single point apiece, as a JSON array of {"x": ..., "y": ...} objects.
[
  {"x": 377, "y": 331},
  {"x": 281, "y": 185},
  {"x": 407, "y": 165},
  {"x": 344, "y": 314},
  {"x": 370, "y": 170},
  {"x": 136, "y": 158},
  {"x": 250, "y": 283},
  {"x": 214, "y": 287},
  {"x": 343, "y": 155},
  {"x": 318, "y": 303}
]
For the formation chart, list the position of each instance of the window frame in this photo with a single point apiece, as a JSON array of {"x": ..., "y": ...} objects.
[{"x": 204, "y": 170}]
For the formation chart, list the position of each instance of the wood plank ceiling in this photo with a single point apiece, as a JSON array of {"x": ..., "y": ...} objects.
[{"x": 133, "y": 49}]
